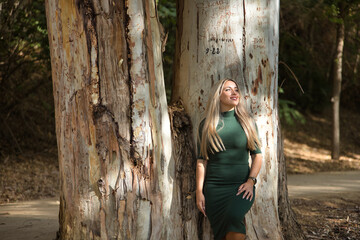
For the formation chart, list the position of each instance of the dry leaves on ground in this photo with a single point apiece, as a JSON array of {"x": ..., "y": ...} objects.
[
  {"x": 28, "y": 176},
  {"x": 329, "y": 218}
]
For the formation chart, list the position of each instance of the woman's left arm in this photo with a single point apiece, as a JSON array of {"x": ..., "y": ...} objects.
[
  {"x": 255, "y": 165},
  {"x": 248, "y": 186}
]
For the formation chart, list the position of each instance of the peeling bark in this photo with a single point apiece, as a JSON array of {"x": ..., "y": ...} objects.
[
  {"x": 117, "y": 172},
  {"x": 184, "y": 157},
  {"x": 127, "y": 168}
]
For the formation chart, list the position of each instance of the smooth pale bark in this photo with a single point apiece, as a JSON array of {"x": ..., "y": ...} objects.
[
  {"x": 238, "y": 40},
  {"x": 337, "y": 79},
  {"x": 118, "y": 177}
]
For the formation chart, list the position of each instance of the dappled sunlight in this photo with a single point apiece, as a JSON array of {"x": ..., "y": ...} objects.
[
  {"x": 307, "y": 147},
  {"x": 40, "y": 208},
  {"x": 306, "y": 185},
  {"x": 304, "y": 151},
  {"x": 302, "y": 158},
  {"x": 321, "y": 189}
]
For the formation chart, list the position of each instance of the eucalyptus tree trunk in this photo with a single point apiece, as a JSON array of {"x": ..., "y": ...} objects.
[
  {"x": 118, "y": 177},
  {"x": 123, "y": 173},
  {"x": 337, "y": 79},
  {"x": 237, "y": 40}
]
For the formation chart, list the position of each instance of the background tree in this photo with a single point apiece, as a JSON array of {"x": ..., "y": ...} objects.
[
  {"x": 337, "y": 78},
  {"x": 308, "y": 45},
  {"x": 341, "y": 12}
]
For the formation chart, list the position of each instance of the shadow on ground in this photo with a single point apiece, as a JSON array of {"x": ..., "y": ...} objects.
[{"x": 29, "y": 220}]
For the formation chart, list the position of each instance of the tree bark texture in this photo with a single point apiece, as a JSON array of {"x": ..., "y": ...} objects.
[
  {"x": 337, "y": 79},
  {"x": 238, "y": 40},
  {"x": 290, "y": 228},
  {"x": 118, "y": 177}
]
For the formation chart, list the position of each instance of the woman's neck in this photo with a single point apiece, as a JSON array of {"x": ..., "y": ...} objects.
[{"x": 226, "y": 108}]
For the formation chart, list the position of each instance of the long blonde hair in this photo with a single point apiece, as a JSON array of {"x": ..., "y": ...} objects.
[{"x": 210, "y": 139}]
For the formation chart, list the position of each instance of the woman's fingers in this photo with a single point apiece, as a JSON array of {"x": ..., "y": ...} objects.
[
  {"x": 201, "y": 207},
  {"x": 240, "y": 189},
  {"x": 248, "y": 195},
  {"x": 248, "y": 191},
  {"x": 200, "y": 203}
]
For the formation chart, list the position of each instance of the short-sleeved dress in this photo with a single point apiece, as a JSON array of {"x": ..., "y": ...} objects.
[{"x": 225, "y": 172}]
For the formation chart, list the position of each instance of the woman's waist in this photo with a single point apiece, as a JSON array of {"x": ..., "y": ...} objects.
[
  {"x": 219, "y": 163},
  {"x": 227, "y": 174}
]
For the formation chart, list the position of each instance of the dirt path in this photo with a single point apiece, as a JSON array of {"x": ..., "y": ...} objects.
[
  {"x": 39, "y": 219},
  {"x": 29, "y": 220},
  {"x": 323, "y": 184},
  {"x": 327, "y": 205}
]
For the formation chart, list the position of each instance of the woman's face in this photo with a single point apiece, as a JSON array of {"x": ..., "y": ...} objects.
[{"x": 229, "y": 97}]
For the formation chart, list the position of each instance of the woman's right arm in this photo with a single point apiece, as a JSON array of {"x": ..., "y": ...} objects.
[{"x": 200, "y": 177}]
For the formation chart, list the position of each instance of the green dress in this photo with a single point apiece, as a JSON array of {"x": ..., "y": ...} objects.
[{"x": 225, "y": 172}]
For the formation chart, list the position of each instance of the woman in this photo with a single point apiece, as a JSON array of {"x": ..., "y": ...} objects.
[{"x": 225, "y": 188}]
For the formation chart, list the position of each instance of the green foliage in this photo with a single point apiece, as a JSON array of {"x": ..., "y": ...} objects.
[
  {"x": 167, "y": 17},
  {"x": 25, "y": 74},
  {"x": 307, "y": 46},
  {"x": 288, "y": 112}
]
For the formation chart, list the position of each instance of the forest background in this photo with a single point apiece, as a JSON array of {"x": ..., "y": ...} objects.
[{"x": 307, "y": 53}]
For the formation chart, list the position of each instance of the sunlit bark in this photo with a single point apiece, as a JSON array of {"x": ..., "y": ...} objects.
[
  {"x": 238, "y": 40},
  {"x": 118, "y": 176},
  {"x": 124, "y": 175}
]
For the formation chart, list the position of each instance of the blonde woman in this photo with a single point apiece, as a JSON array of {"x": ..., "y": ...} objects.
[{"x": 225, "y": 184}]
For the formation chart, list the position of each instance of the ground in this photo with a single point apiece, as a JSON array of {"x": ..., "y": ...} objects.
[
  {"x": 330, "y": 217},
  {"x": 28, "y": 176},
  {"x": 327, "y": 204},
  {"x": 307, "y": 149},
  {"x": 34, "y": 175}
]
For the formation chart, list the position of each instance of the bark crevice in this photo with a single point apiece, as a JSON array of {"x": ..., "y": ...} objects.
[
  {"x": 130, "y": 82},
  {"x": 185, "y": 165},
  {"x": 86, "y": 7}
]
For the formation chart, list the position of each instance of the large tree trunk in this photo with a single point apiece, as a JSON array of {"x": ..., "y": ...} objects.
[
  {"x": 118, "y": 177},
  {"x": 239, "y": 40},
  {"x": 337, "y": 78}
]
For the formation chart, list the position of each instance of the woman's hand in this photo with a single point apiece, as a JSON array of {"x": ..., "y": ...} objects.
[
  {"x": 200, "y": 202},
  {"x": 247, "y": 188}
]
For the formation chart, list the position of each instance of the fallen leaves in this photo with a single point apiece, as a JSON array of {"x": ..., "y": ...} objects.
[
  {"x": 28, "y": 176},
  {"x": 333, "y": 217}
]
